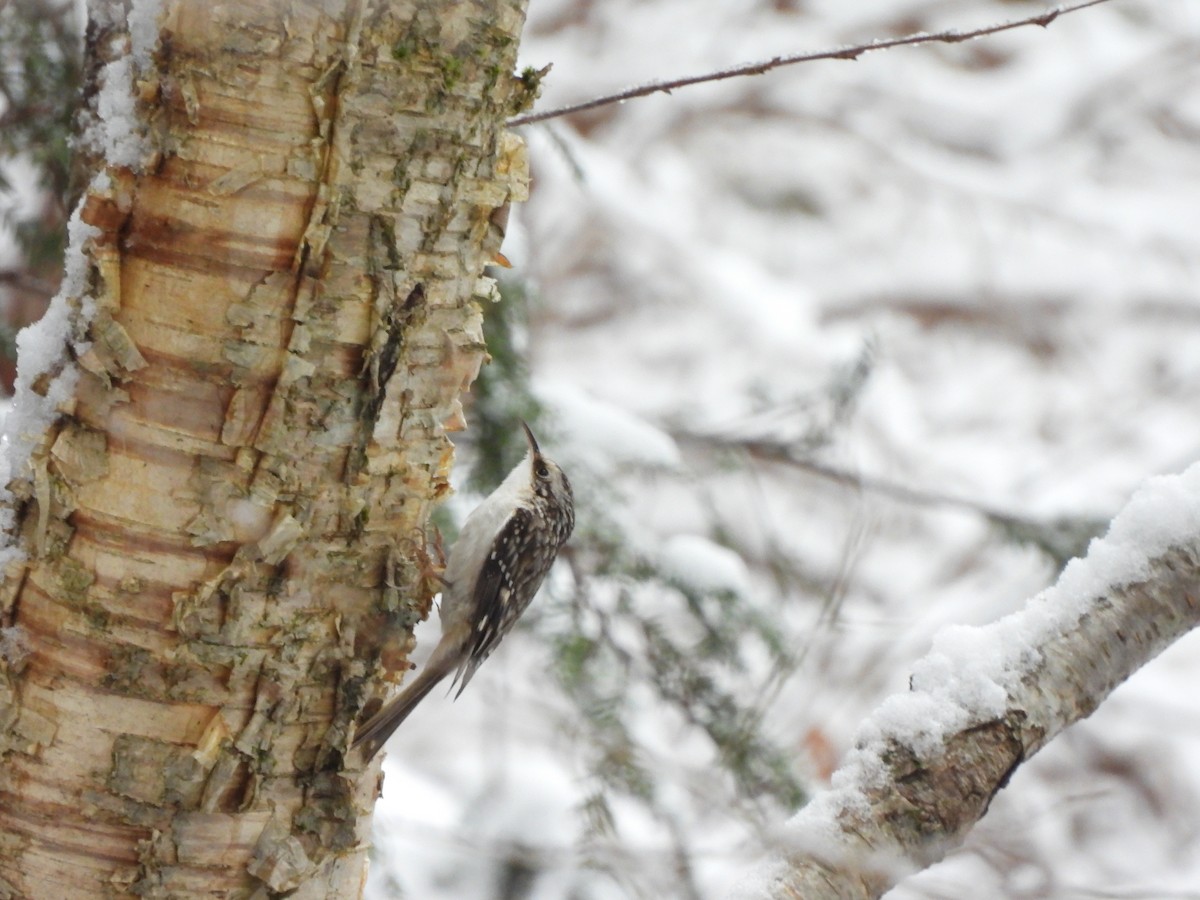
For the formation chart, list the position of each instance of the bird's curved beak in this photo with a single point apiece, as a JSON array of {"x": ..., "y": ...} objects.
[{"x": 533, "y": 444}]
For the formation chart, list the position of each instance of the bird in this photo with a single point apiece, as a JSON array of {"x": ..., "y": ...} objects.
[{"x": 503, "y": 552}]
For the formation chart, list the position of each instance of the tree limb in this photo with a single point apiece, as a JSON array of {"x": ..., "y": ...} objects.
[
  {"x": 853, "y": 52},
  {"x": 1061, "y": 538},
  {"x": 928, "y": 761}
]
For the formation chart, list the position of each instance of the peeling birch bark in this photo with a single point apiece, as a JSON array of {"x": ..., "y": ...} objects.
[{"x": 222, "y": 534}]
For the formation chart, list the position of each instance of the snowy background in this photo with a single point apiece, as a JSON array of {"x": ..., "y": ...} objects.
[
  {"x": 859, "y": 349},
  {"x": 832, "y": 339}
]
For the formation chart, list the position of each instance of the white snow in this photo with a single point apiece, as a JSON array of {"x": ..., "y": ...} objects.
[
  {"x": 967, "y": 676},
  {"x": 120, "y": 129},
  {"x": 118, "y": 133},
  {"x": 704, "y": 566},
  {"x": 1011, "y": 225},
  {"x": 144, "y": 30},
  {"x": 1164, "y": 513},
  {"x": 1014, "y": 235},
  {"x": 14, "y": 647},
  {"x": 42, "y": 352},
  {"x": 42, "y": 346},
  {"x": 606, "y": 437}
]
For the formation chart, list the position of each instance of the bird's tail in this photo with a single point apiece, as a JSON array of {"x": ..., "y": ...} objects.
[{"x": 376, "y": 730}]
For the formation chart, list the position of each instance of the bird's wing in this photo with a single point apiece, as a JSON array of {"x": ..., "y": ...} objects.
[{"x": 495, "y": 600}]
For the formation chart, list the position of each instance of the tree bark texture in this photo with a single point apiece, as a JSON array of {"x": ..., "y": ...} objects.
[{"x": 223, "y": 535}]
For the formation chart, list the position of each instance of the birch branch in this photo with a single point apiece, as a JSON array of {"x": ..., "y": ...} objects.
[
  {"x": 853, "y": 52},
  {"x": 928, "y": 761}
]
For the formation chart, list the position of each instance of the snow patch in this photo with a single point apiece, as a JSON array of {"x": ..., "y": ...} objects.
[
  {"x": 144, "y": 31},
  {"x": 607, "y": 435},
  {"x": 119, "y": 129},
  {"x": 42, "y": 357},
  {"x": 119, "y": 133},
  {"x": 14, "y": 646},
  {"x": 703, "y": 565}
]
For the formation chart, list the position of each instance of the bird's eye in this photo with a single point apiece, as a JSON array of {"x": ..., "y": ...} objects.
[{"x": 541, "y": 470}]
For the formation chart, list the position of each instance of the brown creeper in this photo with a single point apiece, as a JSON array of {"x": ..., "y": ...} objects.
[{"x": 503, "y": 552}]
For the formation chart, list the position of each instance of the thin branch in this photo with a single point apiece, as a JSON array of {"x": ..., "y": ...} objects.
[
  {"x": 950, "y": 36},
  {"x": 1060, "y": 538},
  {"x": 26, "y": 282}
]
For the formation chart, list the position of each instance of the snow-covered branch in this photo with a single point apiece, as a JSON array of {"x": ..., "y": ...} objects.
[
  {"x": 852, "y": 52},
  {"x": 927, "y": 762}
]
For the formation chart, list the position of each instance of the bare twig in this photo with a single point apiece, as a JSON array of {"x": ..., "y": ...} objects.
[
  {"x": 26, "y": 282},
  {"x": 949, "y": 36},
  {"x": 1060, "y": 538}
]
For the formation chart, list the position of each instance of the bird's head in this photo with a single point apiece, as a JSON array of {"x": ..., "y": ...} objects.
[{"x": 548, "y": 481}]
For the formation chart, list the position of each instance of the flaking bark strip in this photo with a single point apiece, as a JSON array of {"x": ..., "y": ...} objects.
[
  {"x": 381, "y": 365},
  {"x": 80, "y": 453},
  {"x": 153, "y": 772}
]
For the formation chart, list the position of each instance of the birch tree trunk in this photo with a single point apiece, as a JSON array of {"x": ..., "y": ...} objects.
[{"x": 220, "y": 536}]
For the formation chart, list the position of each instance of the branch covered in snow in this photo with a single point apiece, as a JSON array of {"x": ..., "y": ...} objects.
[
  {"x": 927, "y": 762},
  {"x": 853, "y": 52}
]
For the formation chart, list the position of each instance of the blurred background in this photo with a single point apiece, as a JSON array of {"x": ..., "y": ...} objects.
[{"x": 834, "y": 356}]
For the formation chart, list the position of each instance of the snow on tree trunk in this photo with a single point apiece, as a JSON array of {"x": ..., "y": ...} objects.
[{"x": 230, "y": 433}]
